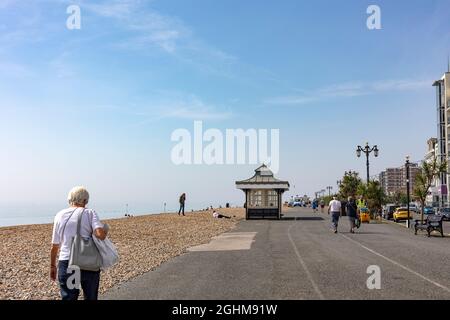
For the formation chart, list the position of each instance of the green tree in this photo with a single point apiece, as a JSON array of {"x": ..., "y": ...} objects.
[
  {"x": 429, "y": 171},
  {"x": 349, "y": 186},
  {"x": 373, "y": 194},
  {"x": 398, "y": 198}
]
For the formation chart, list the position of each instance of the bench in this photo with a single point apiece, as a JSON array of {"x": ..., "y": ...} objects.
[{"x": 432, "y": 223}]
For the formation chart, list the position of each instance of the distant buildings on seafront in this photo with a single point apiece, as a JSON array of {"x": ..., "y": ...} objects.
[{"x": 393, "y": 180}]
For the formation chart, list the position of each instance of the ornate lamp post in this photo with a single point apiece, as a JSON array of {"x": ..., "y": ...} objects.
[
  {"x": 350, "y": 173},
  {"x": 329, "y": 188},
  {"x": 367, "y": 150},
  {"x": 407, "y": 163}
]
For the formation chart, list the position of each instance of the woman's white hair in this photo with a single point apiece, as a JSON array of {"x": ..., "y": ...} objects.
[{"x": 78, "y": 196}]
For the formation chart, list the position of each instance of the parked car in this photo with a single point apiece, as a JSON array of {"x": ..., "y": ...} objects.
[
  {"x": 428, "y": 210},
  {"x": 401, "y": 214},
  {"x": 446, "y": 213},
  {"x": 297, "y": 204},
  {"x": 388, "y": 211},
  {"x": 413, "y": 208}
]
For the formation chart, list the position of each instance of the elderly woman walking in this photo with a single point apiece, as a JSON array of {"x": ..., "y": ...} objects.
[{"x": 64, "y": 230}]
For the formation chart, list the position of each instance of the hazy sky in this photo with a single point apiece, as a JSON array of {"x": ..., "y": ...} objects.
[{"x": 97, "y": 106}]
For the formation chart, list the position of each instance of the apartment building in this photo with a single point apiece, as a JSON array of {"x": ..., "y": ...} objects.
[
  {"x": 393, "y": 180},
  {"x": 434, "y": 195},
  {"x": 443, "y": 123}
]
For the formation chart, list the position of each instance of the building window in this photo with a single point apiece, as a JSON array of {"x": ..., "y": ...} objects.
[
  {"x": 272, "y": 198},
  {"x": 256, "y": 198},
  {"x": 263, "y": 199}
]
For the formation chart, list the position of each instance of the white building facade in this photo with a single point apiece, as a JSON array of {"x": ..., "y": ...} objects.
[{"x": 443, "y": 130}]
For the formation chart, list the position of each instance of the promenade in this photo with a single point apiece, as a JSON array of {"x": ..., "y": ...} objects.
[{"x": 300, "y": 258}]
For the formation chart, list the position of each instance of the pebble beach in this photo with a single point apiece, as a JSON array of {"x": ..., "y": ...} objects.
[{"x": 143, "y": 243}]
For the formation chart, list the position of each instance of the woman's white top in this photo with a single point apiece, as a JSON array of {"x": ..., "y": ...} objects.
[{"x": 89, "y": 222}]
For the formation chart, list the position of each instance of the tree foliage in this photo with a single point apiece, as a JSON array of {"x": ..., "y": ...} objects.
[
  {"x": 429, "y": 171},
  {"x": 349, "y": 186},
  {"x": 373, "y": 194},
  {"x": 398, "y": 198}
]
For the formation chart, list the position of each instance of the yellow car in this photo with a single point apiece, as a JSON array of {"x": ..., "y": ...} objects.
[
  {"x": 402, "y": 214},
  {"x": 364, "y": 215}
]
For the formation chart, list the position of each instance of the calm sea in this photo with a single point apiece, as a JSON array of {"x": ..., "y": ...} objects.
[
  {"x": 21, "y": 215},
  {"x": 12, "y": 215}
]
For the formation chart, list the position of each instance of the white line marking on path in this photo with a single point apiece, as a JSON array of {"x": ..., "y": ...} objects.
[
  {"x": 398, "y": 264},
  {"x": 302, "y": 262}
]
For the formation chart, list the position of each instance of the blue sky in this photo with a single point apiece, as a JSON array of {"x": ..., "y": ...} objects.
[{"x": 97, "y": 106}]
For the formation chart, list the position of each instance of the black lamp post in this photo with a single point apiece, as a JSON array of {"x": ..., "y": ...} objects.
[
  {"x": 407, "y": 188},
  {"x": 329, "y": 188},
  {"x": 350, "y": 173},
  {"x": 367, "y": 150}
]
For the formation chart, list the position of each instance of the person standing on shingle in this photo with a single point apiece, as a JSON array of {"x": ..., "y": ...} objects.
[{"x": 182, "y": 202}]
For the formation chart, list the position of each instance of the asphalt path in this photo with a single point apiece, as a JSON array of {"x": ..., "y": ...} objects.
[{"x": 299, "y": 258}]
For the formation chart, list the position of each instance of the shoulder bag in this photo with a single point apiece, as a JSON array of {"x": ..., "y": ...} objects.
[{"x": 84, "y": 252}]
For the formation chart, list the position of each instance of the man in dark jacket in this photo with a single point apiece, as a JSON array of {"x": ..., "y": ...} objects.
[
  {"x": 352, "y": 213},
  {"x": 182, "y": 201},
  {"x": 344, "y": 208}
]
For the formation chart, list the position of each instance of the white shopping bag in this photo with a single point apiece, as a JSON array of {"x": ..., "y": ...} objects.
[{"x": 107, "y": 251}]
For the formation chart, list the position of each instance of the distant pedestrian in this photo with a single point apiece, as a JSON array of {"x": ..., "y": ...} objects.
[
  {"x": 380, "y": 214},
  {"x": 361, "y": 203},
  {"x": 322, "y": 205},
  {"x": 217, "y": 215},
  {"x": 182, "y": 203},
  {"x": 334, "y": 208},
  {"x": 314, "y": 205},
  {"x": 352, "y": 213}
]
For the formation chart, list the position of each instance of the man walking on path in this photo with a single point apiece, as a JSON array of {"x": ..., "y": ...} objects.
[
  {"x": 335, "y": 209},
  {"x": 182, "y": 201},
  {"x": 352, "y": 213}
]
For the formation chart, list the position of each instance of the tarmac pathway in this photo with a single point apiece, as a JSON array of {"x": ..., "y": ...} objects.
[{"x": 300, "y": 258}]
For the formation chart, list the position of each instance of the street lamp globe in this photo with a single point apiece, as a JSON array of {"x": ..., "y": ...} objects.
[
  {"x": 376, "y": 151},
  {"x": 358, "y": 153}
]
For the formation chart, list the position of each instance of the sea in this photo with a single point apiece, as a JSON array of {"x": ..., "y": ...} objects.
[{"x": 13, "y": 215}]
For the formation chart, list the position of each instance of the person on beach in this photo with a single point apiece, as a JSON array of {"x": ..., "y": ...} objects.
[
  {"x": 334, "y": 208},
  {"x": 182, "y": 202},
  {"x": 217, "y": 215},
  {"x": 352, "y": 213},
  {"x": 64, "y": 229}
]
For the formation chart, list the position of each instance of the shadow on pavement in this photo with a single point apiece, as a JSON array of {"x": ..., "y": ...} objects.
[{"x": 302, "y": 218}]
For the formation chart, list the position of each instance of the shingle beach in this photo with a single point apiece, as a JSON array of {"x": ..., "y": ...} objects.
[{"x": 143, "y": 242}]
